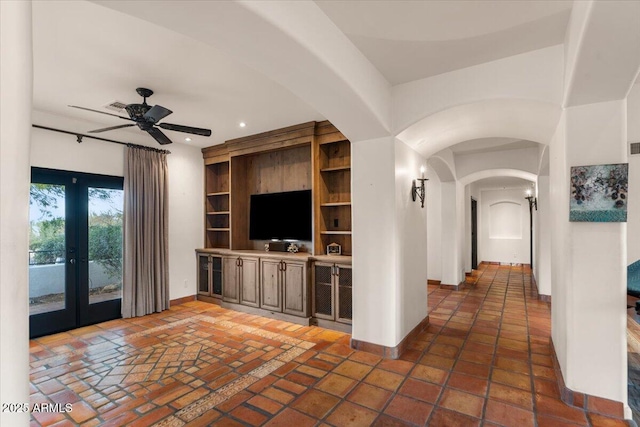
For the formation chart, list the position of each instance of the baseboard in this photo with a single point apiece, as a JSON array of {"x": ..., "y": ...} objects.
[
  {"x": 304, "y": 321},
  {"x": 534, "y": 282},
  {"x": 391, "y": 352},
  {"x": 598, "y": 405},
  {"x": 182, "y": 300},
  {"x": 433, "y": 282},
  {"x": 328, "y": 324},
  {"x": 460, "y": 286},
  {"x": 545, "y": 298}
]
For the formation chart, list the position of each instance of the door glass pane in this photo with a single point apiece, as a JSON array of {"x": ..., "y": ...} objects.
[
  {"x": 47, "y": 275},
  {"x": 105, "y": 244}
]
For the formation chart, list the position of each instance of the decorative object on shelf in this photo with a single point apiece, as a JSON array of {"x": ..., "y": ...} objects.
[
  {"x": 293, "y": 248},
  {"x": 419, "y": 191},
  {"x": 599, "y": 193},
  {"x": 334, "y": 249},
  {"x": 266, "y": 247}
]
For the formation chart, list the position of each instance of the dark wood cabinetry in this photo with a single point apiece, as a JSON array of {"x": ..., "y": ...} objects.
[
  {"x": 209, "y": 276},
  {"x": 241, "y": 280},
  {"x": 312, "y": 155},
  {"x": 332, "y": 292}
]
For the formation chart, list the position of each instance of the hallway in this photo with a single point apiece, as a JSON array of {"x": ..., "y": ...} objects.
[{"x": 484, "y": 360}]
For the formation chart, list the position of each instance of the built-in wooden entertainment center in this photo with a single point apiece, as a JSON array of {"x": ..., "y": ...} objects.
[{"x": 308, "y": 287}]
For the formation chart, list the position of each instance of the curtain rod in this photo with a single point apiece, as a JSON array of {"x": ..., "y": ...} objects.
[{"x": 79, "y": 137}]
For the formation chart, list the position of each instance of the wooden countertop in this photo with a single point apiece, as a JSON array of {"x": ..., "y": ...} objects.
[{"x": 300, "y": 256}]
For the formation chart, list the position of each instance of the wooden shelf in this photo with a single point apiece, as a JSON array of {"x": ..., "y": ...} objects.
[
  {"x": 221, "y": 193},
  {"x": 336, "y": 169},
  {"x": 219, "y": 213},
  {"x": 218, "y": 229},
  {"x": 336, "y": 232},
  {"x": 335, "y": 204}
]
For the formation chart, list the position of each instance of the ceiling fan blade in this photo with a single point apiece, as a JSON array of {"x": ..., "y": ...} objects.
[
  {"x": 101, "y": 112},
  {"x": 159, "y": 136},
  {"x": 157, "y": 113},
  {"x": 111, "y": 128},
  {"x": 185, "y": 129}
]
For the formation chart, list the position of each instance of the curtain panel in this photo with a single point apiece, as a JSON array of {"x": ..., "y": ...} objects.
[{"x": 145, "y": 286}]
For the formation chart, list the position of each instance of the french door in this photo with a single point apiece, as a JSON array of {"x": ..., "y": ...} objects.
[{"x": 75, "y": 250}]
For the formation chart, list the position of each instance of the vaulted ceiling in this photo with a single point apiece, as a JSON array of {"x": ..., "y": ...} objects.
[{"x": 90, "y": 55}]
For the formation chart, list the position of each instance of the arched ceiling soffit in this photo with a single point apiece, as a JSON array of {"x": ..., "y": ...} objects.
[
  {"x": 491, "y": 173},
  {"x": 293, "y": 43},
  {"x": 441, "y": 168},
  {"x": 508, "y": 118}
]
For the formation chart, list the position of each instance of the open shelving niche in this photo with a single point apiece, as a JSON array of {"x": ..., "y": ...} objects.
[
  {"x": 217, "y": 205},
  {"x": 333, "y": 194}
]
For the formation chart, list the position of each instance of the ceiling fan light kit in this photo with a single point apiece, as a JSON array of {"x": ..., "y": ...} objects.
[{"x": 146, "y": 117}]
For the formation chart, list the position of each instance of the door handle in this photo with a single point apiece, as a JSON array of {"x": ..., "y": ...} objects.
[
  {"x": 241, "y": 261},
  {"x": 337, "y": 271},
  {"x": 284, "y": 266}
]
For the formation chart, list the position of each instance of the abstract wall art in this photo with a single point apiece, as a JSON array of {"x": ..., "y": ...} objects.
[{"x": 599, "y": 193}]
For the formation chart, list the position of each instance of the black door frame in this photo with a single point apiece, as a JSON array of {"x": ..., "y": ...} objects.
[
  {"x": 78, "y": 312},
  {"x": 474, "y": 234}
]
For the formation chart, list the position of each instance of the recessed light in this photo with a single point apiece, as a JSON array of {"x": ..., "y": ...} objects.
[
  {"x": 187, "y": 139},
  {"x": 242, "y": 124}
]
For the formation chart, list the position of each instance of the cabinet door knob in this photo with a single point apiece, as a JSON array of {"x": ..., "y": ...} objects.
[
  {"x": 337, "y": 270},
  {"x": 284, "y": 266}
]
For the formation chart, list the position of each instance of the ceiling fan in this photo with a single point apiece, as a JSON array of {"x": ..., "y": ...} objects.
[{"x": 147, "y": 118}]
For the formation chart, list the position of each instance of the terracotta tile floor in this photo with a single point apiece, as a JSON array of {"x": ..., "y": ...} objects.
[{"x": 484, "y": 360}]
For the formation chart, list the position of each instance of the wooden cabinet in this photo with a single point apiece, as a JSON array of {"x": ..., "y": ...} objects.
[
  {"x": 271, "y": 295},
  {"x": 241, "y": 280},
  {"x": 284, "y": 286},
  {"x": 332, "y": 292},
  {"x": 312, "y": 155},
  {"x": 294, "y": 288},
  {"x": 230, "y": 273},
  {"x": 209, "y": 275}
]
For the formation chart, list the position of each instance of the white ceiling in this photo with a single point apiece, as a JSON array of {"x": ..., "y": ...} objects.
[
  {"x": 504, "y": 183},
  {"x": 88, "y": 55},
  {"x": 410, "y": 40},
  {"x": 485, "y": 145}
]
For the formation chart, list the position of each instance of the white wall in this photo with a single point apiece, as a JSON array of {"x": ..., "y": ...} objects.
[
  {"x": 59, "y": 151},
  {"x": 434, "y": 226},
  {"x": 496, "y": 245},
  {"x": 389, "y": 242},
  {"x": 589, "y": 283},
  {"x": 633, "y": 208},
  {"x": 542, "y": 237},
  {"x": 16, "y": 79},
  {"x": 374, "y": 241},
  {"x": 411, "y": 234}
]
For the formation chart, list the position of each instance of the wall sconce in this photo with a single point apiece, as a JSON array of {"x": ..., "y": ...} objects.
[
  {"x": 533, "y": 201},
  {"x": 419, "y": 191}
]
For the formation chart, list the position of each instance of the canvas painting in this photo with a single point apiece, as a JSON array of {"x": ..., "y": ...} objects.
[{"x": 599, "y": 193}]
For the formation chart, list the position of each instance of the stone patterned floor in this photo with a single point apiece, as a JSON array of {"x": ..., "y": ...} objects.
[{"x": 484, "y": 360}]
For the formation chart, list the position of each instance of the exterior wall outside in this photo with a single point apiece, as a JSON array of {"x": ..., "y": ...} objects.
[{"x": 49, "y": 279}]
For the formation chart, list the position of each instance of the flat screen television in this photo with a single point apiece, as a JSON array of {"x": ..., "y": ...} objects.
[{"x": 280, "y": 216}]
